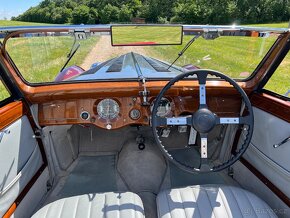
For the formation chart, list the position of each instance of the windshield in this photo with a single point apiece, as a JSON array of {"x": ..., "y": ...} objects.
[{"x": 55, "y": 57}]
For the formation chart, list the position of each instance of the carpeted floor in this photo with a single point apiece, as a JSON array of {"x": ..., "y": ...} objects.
[
  {"x": 91, "y": 175},
  {"x": 180, "y": 178}
]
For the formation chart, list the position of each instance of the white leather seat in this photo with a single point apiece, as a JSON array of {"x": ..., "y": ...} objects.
[
  {"x": 211, "y": 201},
  {"x": 110, "y": 204}
]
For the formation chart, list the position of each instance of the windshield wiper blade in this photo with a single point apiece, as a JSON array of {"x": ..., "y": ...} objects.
[
  {"x": 70, "y": 55},
  {"x": 184, "y": 49}
]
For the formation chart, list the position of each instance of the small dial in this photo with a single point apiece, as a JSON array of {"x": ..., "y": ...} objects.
[
  {"x": 108, "y": 109},
  {"x": 135, "y": 114},
  {"x": 164, "y": 107},
  {"x": 85, "y": 115}
]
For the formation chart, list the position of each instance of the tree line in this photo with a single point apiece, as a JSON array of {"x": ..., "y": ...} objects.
[{"x": 158, "y": 11}]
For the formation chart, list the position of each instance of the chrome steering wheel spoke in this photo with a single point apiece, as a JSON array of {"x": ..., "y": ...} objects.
[
  {"x": 204, "y": 163},
  {"x": 233, "y": 120},
  {"x": 174, "y": 121},
  {"x": 201, "y": 76}
]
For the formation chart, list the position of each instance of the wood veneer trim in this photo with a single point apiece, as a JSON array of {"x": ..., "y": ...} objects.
[
  {"x": 273, "y": 105},
  {"x": 10, "y": 211},
  {"x": 10, "y": 113}
]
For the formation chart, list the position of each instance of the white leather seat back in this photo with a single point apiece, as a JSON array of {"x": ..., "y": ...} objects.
[
  {"x": 110, "y": 205},
  {"x": 211, "y": 201}
]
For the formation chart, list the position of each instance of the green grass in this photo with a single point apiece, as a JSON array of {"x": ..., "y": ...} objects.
[
  {"x": 146, "y": 34},
  {"x": 3, "y": 23},
  {"x": 20, "y": 23},
  {"x": 272, "y": 25},
  {"x": 280, "y": 81},
  {"x": 236, "y": 57},
  {"x": 40, "y": 59},
  {"x": 3, "y": 92}
]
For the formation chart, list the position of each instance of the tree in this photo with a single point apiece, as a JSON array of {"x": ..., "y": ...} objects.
[
  {"x": 81, "y": 14},
  {"x": 61, "y": 15},
  {"x": 109, "y": 14},
  {"x": 181, "y": 11},
  {"x": 125, "y": 14}
]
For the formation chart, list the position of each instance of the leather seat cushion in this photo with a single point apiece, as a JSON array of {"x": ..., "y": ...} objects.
[
  {"x": 110, "y": 204},
  {"x": 211, "y": 201}
]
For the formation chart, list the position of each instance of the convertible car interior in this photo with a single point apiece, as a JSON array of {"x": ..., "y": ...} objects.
[{"x": 144, "y": 131}]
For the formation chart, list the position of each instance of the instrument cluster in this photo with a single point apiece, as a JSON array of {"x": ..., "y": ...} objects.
[
  {"x": 108, "y": 110},
  {"x": 116, "y": 112},
  {"x": 108, "y": 113}
]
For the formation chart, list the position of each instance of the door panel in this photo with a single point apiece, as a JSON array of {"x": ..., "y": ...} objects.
[
  {"x": 272, "y": 126},
  {"x": 274, "y": 163},
  {"x": 263, "y": 169},
  {"x": 270, "y": 130},
  {"x": 20, "y": 156}
]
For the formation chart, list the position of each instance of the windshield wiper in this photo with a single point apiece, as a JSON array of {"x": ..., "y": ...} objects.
[
  {"x": 71, "y": 54},
  {"x": 184, "y": 49}
]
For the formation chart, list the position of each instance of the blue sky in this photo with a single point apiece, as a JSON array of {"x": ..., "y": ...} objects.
[{"x": 9, "y": 8}]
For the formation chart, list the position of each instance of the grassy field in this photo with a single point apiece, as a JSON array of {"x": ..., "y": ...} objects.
[
  {"x": 274, "y": 25},
  {"x": 40, "y": 59},
  {"x": 20, "y": 23},
  {"x": 234, "y": 56},
  {"x": 146, "y": 35},
  {"x": 280, "y": 81},
  {"x": 43, "y": 57},
  {"x": 3, "y": 92}
]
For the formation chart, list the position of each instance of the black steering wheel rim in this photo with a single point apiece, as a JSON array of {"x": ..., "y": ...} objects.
[{"x": 201, "y": 76}]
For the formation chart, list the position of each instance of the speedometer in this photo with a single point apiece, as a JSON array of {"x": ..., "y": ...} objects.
[
  {"x": 164, "y": 107},
  {"x": 108, "y": 109}
]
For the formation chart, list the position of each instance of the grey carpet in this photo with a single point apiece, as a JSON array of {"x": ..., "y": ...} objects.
[
  {"x": 149, "y": 202},
  {"x": 142, "y": 170},
  {"x": 91, "y": 175},
  {"x": 180, "y": 178}
]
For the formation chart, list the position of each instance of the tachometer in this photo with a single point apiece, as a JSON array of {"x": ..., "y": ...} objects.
[
  {"x": 164, "y": 107},
  {"x": 108, "y": 109}
]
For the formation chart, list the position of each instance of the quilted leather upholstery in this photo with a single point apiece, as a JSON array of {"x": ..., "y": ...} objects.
[
  {"x": 211, "y": 201},
  {"x": 108, "y": 205}
]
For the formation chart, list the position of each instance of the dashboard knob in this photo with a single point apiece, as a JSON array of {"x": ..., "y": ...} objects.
[
  {"x": 109, "y": 126},
  {"x": 85, "y": 115}
]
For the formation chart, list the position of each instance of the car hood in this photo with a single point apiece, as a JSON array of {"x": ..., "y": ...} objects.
[{"x": 131, "y": 66}]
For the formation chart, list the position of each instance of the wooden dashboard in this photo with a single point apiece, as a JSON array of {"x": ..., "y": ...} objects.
[{"x": 60, "y": 112}]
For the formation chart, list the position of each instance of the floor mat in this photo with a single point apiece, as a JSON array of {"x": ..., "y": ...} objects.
[
  {"x": 91, "y": 175},
  {"x": 180, "y": 178}
]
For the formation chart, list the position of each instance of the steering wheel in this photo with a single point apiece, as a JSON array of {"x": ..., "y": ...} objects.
[{"x": 203, "y": 121}]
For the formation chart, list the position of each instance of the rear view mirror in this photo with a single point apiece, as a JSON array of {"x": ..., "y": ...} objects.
[{"x": 142, "y": 35}]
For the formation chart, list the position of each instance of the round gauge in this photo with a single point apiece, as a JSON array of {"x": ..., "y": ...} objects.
[
  {"x": 164, "y": 107},
  {"x": 135, "y": 114},
  {"x": 108, "y": 109},
  {"x": 85, "y": 115}
]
